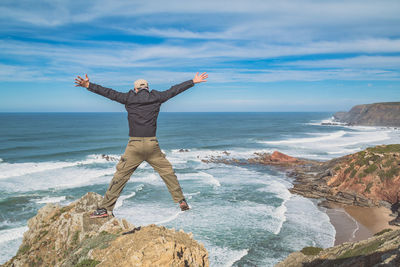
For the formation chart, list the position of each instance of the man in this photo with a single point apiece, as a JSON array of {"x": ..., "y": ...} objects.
[{"x": 143, "y": 107}]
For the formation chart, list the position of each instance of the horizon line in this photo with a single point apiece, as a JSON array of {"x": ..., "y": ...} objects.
[{"x": 169, "y": 111}]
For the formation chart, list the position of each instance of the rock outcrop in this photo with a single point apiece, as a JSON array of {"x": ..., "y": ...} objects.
[
  {"x": 378, "y": 114},
  {"x": 383, "y": 249},
  {"x": 276, "y": 159},
  {"x": 66, "y": 236}
]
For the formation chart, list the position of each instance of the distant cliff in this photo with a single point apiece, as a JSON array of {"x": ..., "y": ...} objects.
[
  {"x": 378, "y": 114},
  {"x": 66, "y": 236},
  {"x": 381, "y": 250}
]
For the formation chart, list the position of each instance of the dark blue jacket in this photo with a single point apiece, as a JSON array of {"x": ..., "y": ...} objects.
[{"x": 143, "y": 107}]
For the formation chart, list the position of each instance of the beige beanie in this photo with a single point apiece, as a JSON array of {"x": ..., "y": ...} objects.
[{"x": 141, "y": 84}]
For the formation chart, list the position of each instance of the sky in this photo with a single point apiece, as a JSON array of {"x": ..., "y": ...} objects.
[{"x": 260, "y": 55}]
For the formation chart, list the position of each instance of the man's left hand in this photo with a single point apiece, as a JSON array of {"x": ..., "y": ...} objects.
[{"x": 200, "y": 78}]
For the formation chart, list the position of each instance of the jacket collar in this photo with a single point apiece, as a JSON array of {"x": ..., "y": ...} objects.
[{"x": 140, "y": 90}]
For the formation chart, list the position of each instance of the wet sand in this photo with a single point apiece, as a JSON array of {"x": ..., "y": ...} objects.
[{"x": 354, "y": 223}]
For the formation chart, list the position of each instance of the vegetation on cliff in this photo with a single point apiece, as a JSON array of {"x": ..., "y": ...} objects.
[
  {"x": 382, "y": 249},
  {"x": 373, "y": 173}
]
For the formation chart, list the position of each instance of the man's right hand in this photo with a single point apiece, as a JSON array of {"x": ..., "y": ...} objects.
[{"x": 82, "y": 82}]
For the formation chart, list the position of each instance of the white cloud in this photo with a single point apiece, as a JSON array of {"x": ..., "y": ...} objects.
[
  {"x": 207, "y": 35},
  {"x": 64, "y": 11},
  {"x": 362, "y": 62},
  {"x": 114, "y": 54},
  {"x": 257, "y": 20}
]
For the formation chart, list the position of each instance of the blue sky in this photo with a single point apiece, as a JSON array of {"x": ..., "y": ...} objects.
[{"x": 260, "y": 55}]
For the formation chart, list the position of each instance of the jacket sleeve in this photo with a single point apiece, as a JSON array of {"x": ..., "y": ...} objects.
[
  {"x": 108, "y": 92},
  {"x": 174, "y": 90}
]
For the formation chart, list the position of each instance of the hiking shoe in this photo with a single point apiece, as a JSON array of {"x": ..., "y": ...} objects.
[
  {"x": 100, "y": 213},
  {"x": 183, "y": 205}
]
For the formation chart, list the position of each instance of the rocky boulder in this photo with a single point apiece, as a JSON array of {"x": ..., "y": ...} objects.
[{"x": 66, "y": 236}]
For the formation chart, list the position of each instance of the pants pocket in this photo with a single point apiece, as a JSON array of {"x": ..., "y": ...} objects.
[
  {"x": 121, "y": 164},
  {"x": 154, "y": 143}
]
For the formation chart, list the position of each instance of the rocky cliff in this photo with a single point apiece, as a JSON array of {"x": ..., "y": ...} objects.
[
  {"x": 373, "y": 173},
  {"x": 381, "y": 250},
  {"x": 368, "y": 178},
  {"x": 66, "y": 236},
  {"x": 378, "y": 114}
]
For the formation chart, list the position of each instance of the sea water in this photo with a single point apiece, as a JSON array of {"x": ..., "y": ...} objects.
[{"x": 244, "y": 215}]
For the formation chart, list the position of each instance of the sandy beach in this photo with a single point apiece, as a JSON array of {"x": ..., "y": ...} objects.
[{"x": 354, "y": 223}]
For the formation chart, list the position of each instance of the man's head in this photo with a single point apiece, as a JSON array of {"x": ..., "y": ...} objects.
[{"x": 139, "y": 84}]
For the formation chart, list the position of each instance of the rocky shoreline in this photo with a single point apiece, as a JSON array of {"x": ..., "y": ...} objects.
[
  {"x": 313, "y": 179},
  {"x": 360, "y": 183}
]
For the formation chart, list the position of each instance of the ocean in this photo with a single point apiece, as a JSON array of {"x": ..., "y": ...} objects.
[{"x": 244, "y": 215}]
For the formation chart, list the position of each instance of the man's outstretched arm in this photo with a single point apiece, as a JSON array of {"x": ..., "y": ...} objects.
[
  {"x": 98, "y": 89},
  {"x": 179, "y": 88}
]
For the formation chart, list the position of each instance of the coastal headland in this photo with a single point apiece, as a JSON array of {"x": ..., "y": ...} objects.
[{"x": 359, "y": 192}]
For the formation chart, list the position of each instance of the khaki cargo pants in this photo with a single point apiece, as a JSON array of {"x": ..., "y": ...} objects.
[{"x": 141, "y": 149}]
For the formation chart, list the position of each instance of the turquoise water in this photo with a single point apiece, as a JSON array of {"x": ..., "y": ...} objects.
[{"x": 244, "y": 215}]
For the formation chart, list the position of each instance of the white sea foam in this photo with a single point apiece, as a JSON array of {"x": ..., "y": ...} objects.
[
  {"x": 235, "y": 176},
  {"x": 66, "y": 178},
  {"x": 139, "y": 187},
  {"x": 169, "y": 219},
  {"x": 11, "y": 234},
  {"x": 202, "y": 176},
  {"x": 50, "y": 199},
  {"x": 280, "y": 214},
  {"x": 121, "y": 199},
  {"x": 6, "y": 223},
  {"x": 317, "y": 138},
  {"x": 180, "y": 150},
  {"x": 248, "y": 214},
  {"x": 210, "y": 179},
  {"x": 330, "y": 120},
  {"x": 328, "y": 145},
  {"x": 196, "y": 155},
  {"x": 307, "y": 225},
  {"x": 279, "y": 187},
  {"x": 8, "y": 170},
  {"x": 10, "y": 240},
  {"x": 149, "y": 212},
  {"x": 190, "y": 195},
  {"x": 223, "y": 256},
  {"x": 344, "y": 151},
  {"x": 150, "y": 177}
]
